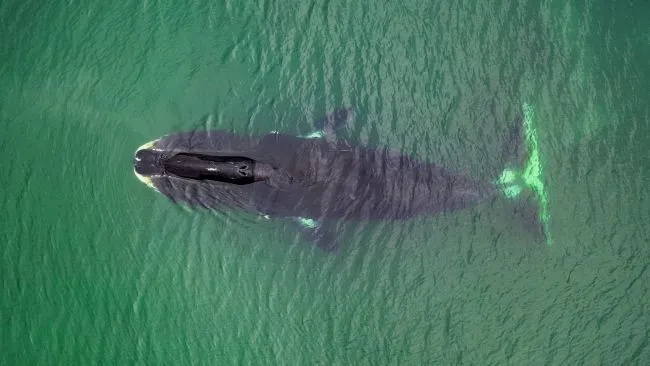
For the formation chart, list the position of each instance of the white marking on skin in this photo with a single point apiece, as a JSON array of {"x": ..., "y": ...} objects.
[
  {"x": 141, "y": 178},
  {"x": 148, "y": 145},
  {"x": 315, "y": 135},
  {"x": 147, "y": 180}
]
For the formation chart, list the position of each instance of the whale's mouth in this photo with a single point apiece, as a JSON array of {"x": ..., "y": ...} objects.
[{"x": 147, "y": 163}]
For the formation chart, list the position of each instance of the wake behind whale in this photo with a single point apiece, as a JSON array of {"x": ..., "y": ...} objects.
[{"x": 312, "y": 180}]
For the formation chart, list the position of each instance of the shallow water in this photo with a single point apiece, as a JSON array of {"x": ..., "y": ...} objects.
[{"x": 97, "y": 268}]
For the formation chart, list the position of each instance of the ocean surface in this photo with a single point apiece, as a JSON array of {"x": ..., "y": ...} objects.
[{"x": 98, "y": 269}]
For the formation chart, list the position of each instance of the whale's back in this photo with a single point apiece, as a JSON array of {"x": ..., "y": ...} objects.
[{"x": 338, "y": 180}]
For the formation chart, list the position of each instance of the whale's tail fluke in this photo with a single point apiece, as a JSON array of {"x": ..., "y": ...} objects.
[{"x": 523, "y": 179}]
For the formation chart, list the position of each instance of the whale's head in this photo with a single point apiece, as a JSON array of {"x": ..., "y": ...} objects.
[
  {"x": 147, "y": 164},
  {"x": 189, "y": 176}
]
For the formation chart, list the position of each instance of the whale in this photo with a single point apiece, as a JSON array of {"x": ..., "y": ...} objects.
[{"x": 312, "y": 181}]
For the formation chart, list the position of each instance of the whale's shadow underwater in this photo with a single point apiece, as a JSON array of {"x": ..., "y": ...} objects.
[{"x": 315, "y": 181}]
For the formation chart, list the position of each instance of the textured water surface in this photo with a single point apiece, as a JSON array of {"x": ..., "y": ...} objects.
[{"x": 99, "y": 269}]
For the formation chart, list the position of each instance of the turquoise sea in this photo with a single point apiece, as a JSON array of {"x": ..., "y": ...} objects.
[{"x": 98, "y": 269}]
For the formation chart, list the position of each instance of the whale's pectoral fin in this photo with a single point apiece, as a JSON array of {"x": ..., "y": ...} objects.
[
  {"x": 206, "y": 122},
  {"x": 319, "y": 234},
  {"x": 327, "y": 125},
  {"x": 334, "y": 120}
]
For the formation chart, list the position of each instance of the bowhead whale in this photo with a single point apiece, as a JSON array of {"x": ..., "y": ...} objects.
[{"x": 311, "y": 180}]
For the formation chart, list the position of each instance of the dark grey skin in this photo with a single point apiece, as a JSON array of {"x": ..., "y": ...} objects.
[{"x": 323, "y": 179}]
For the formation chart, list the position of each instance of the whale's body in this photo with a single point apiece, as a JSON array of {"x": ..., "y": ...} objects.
[
  {"x": 327, "y": 180},
  {"x": 296, "y": 177}
]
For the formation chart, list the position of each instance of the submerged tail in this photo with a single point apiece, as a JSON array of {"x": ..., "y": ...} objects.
[{"x": 528, "y": 177}]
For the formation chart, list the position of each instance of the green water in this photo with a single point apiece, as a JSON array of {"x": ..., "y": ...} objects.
[{"x": 99, "y": 269}]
